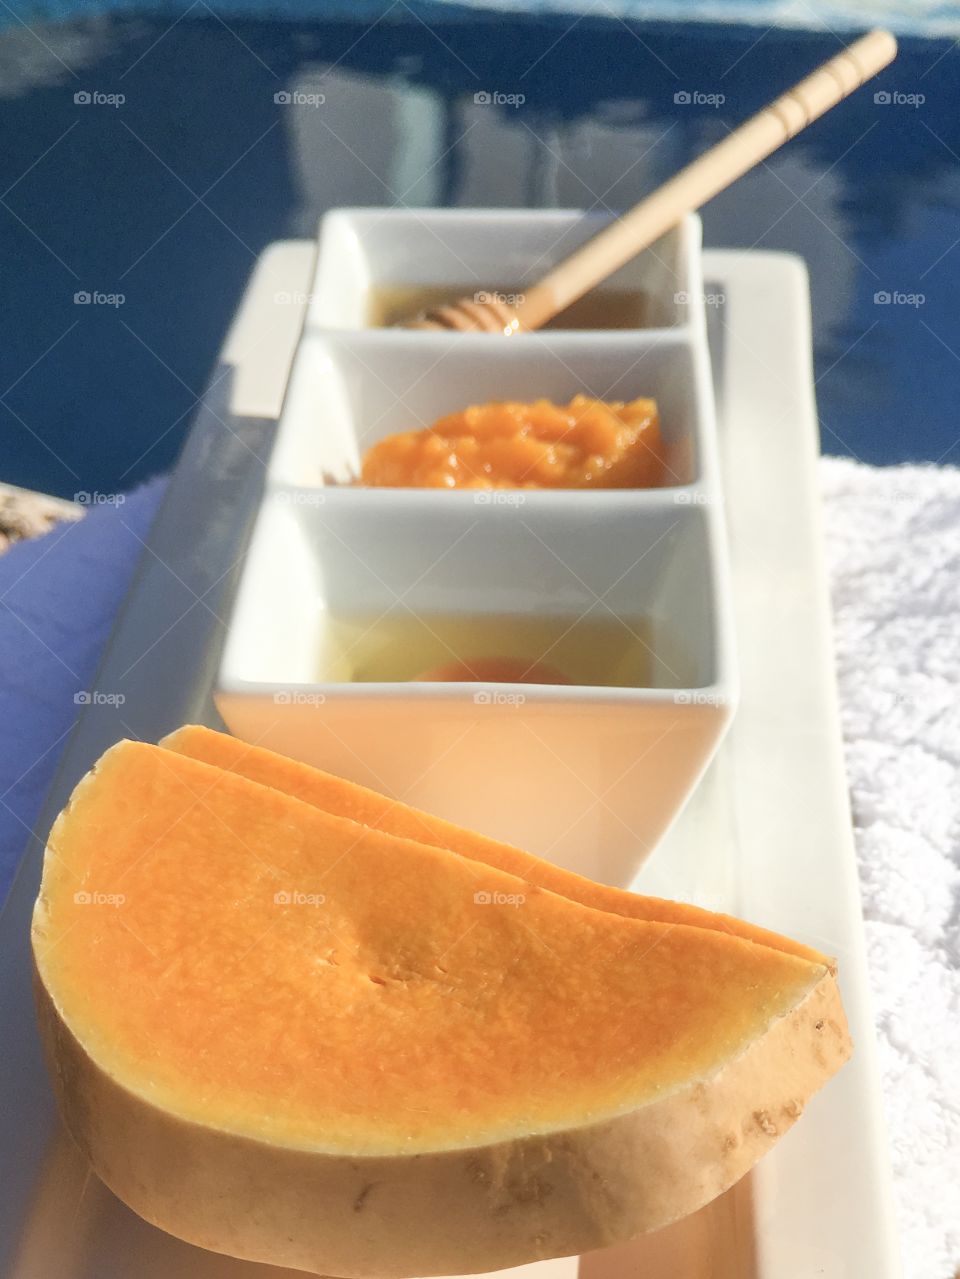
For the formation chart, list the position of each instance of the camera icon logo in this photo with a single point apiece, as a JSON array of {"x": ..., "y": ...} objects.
[
  {"x": 82, "y": 898},
  {"x": 483, "y": 698},
  {"x": 282, "y": 699},
  {"x": 81, "y": 699},
  {"x": 482, "y": 99},
  {"x": 882, "y": 298},
  {"x": 283, "y": 98},
  {"x": 83, "y": 298},
  {"x": 882, "y": 98},
  {"x": 682, "y": 97},
  {"x": 281, "y": 899},
  {"x": 82, "y": 98},
  {"x": 682, "y": 699},
  {"x": 482, "y": 898}
]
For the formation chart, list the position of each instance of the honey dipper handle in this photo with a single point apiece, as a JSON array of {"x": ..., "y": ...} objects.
[{"x": 704, "y": 177}]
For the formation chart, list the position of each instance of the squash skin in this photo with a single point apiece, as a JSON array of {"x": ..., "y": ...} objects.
[{"x": 455, "y": 1211}]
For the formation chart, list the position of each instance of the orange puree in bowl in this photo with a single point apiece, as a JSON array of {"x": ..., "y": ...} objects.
[{"x": 584, "y": 444}]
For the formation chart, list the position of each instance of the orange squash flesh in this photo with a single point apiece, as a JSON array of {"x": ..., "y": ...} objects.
[
  {"x": 347, "y": 799},
  {"x": 260, "y": 1015}
]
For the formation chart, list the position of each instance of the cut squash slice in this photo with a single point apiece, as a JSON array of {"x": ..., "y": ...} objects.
[
  {"x": 298, "y": 1040},
  {"x": 347, "y": 799}
]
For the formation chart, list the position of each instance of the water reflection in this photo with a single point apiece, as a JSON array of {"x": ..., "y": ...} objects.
[{"x": 168, "y": 198}]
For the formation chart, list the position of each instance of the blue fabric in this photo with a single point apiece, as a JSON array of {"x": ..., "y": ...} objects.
[{"x": 58, "y": 597}]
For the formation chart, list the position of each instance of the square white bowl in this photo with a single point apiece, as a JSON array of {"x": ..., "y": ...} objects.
[
  {"x": 475, "y": 250},
  {"x": 589, "y": 776}
]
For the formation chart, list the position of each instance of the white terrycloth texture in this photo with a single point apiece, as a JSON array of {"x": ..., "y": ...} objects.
[{"x": 893, "y": 540}]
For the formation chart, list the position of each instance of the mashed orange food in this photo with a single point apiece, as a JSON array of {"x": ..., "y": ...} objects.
[{"x": 584, "y": 444}]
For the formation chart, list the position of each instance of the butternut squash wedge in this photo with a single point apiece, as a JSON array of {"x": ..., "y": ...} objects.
[
  {"x": 347, "y": 799},
  {"x": 291, "y": 1038}
]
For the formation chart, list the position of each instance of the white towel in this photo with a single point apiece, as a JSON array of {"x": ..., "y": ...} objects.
[{"x": 893, "y": 542}]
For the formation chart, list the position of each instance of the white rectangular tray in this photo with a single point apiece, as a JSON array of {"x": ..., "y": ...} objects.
[{"x": 767, "y": 835}]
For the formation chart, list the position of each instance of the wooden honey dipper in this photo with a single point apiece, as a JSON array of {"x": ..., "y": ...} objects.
[{"x": 693, "y": 186}]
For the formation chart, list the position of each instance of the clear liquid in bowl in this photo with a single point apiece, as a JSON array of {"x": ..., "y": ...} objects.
[{"x": 599, "y": 650}]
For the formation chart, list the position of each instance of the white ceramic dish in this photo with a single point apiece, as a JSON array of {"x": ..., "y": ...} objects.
[
  {"x": 519, "y": 762},
  {"x": 652, "y": 562},
  {"x": 766, "y": 836}
]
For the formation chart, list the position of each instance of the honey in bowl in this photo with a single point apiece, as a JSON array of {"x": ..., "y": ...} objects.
[
  {"x": 602, "y": 308},
  {"x": 584, "y": 444}
]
